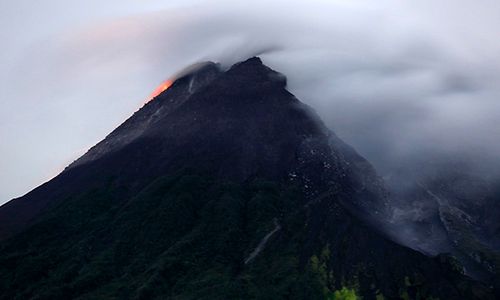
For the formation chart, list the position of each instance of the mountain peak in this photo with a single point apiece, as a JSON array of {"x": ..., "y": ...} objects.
[
  {"x": 252, "y": 61},
  {"x": 248, "y": 81},
  {"x": 254, "y": 70}
]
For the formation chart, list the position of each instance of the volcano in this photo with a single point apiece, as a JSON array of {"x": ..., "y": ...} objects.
[{"x": 224, "y": 186}]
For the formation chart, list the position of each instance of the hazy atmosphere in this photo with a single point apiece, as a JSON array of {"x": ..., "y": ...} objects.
[{"x": 392, "y": 78}]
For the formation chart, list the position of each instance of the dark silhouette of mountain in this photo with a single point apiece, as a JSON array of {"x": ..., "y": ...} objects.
[{"x": 225, "y": 186}]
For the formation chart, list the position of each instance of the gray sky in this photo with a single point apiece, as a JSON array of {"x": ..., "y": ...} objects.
[{"x": 391, "y": 77}]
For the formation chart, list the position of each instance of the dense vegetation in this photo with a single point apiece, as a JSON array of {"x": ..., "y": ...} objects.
[{"x": 182, "y": 237}]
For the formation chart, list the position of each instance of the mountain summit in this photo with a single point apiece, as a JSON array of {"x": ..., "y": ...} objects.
[{"x": 225, "y": 186}]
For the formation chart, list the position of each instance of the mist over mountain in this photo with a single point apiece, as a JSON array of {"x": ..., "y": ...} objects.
[{"x": 225, "y": 186}]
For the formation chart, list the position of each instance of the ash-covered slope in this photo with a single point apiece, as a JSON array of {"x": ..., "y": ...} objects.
[
  {"x": 447, "y": 205},
  {"x": 223, "y": 187}
]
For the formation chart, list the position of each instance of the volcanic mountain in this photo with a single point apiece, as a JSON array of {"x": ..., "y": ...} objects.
[{"x": 224, "y": 186}]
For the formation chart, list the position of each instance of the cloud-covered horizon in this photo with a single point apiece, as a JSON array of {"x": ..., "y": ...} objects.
[{"x": 396, "y": 79}]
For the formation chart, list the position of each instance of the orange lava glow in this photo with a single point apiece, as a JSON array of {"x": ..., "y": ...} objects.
[{"x": 161, "y": 88}]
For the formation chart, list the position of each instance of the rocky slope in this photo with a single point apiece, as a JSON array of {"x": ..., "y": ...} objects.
[{"x": 451, "y": 207}]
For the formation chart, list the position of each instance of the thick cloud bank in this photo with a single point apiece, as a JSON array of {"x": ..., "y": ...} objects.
[{"x": 399, "y": 80}]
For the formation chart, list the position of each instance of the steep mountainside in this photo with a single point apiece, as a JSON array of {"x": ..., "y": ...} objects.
[
  {"x": 225, "y": 186},
  {"x": 451, "y": 207}
]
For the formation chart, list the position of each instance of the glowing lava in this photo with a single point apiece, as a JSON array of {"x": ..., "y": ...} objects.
[{"x": 161, "y": 88}]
